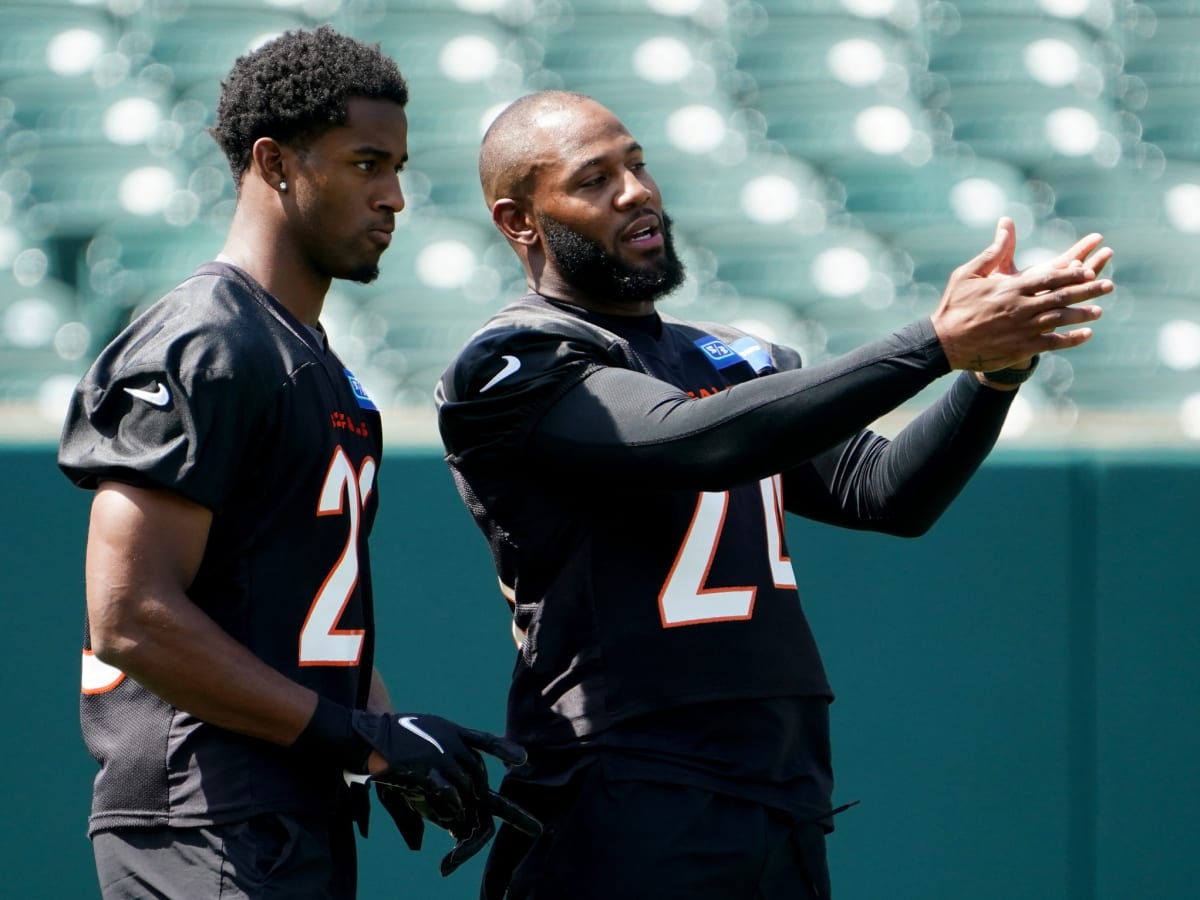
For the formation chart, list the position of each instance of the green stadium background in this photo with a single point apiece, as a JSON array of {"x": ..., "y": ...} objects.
[{"x": 1017, "y": 690}]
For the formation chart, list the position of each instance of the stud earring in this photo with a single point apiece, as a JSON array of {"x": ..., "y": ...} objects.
[{"x": 283, "y": 185}]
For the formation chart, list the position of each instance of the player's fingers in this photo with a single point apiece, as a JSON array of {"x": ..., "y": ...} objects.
[
  {"x": 1069, "y": 296},
  {"x": 514, "y": 815},
  {"x": 468, "y": 846},
  {"x": 1098, "y": 260},
  {"x": 990, "y": 257},
  {"x": 502, "y": 748},
  {"x": 1064, "y": 340},
  {"x": 1066, "y": 315},
  {"x": 444, "y": 799},
  {"x": 1039, "y": 279},
  {"x": 476, "y": 770},
  {"x": 1080, "y": 249},
  {"x": 1003, "y": 263}
]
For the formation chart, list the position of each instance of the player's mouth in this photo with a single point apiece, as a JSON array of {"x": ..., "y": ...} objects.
[
  {"x": 644, "y": 233},
  {"x": 382, "y": 235}
]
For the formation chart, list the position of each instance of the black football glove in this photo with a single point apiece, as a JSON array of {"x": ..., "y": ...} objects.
[
  {"x": 408, "y": 821},
  {"x": 435, "y": 772},
  {"x": 471, "y": 835}
]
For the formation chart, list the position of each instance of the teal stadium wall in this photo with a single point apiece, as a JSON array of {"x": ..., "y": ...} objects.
[{"x": 1016, "y": 690}]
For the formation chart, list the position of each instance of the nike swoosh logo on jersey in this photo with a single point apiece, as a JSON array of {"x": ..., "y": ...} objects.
[
  {"x": 160, "y": 396},
  {"x": 406, "y": 722},
  {"x": 511, "y": 364}
]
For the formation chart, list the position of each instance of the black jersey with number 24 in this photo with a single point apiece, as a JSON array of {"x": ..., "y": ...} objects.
[{"x": 628, "y": 598}]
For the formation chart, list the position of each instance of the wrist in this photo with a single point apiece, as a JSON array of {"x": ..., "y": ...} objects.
[
  {"x": 330, "y": 736},
  {"x": 1009, "y": 378}
]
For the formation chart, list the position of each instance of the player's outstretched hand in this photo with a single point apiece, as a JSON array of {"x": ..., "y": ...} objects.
[
  {"x": 992, "y": 316},
  {"x": 434, "y": 771}
]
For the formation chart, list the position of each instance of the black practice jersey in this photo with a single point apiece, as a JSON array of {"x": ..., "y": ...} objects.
[
  {"x": 219, "y": 394},
  {"x": 631, "y": 476}
]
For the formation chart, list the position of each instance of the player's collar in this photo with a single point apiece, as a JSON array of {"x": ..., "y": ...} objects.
[{"x": 650, "y": 325}]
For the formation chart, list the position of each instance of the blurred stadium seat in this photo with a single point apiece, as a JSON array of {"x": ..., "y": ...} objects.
[
  {"x": 40, "y": 336},
  {"x": 80, "y": 189},
  {"x": 597, "y": 49},
  {"x": 1169, "y": 120},
  {"x": 201, "y": 43},
  {"x": 1092, "y": 198},
  {"x": 829, "y": 121},
  {"x": 888, "y": 195},
  {"x": 1018, "y": 52},
  {"x": 844, "y": 272},
  {"x": 810, "y": 48},
  {"x": 131, "y": 261},
  {"x": 772, "y": 188},
  {"x": 454, "y": 47},
  {"x": 827, "y": 164},
  {"x": 448, "y": 275},
  {"x": 52, "y": 39},
  {"x": 1029, "y": 126},
  {"x": 60, "y": 109},
  {"x": 1171, "y": 56}
]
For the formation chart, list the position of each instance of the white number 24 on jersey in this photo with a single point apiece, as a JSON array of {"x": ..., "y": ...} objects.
[{"x": 685, "y": 599}]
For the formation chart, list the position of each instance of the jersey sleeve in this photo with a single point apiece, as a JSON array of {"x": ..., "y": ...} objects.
[
  {"x": 502, "y": 383},
  {"x": 627, "y": 426},
  {"x": 902, "y": 486},
  {"x": 174, "y": 412}
]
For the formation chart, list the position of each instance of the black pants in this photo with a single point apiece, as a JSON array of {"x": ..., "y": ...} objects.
[
  {"x": 607, "y": 838},
  {"x": 268, "y": 857}
]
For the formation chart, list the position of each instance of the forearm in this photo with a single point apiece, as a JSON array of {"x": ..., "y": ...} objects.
[
  {"x": 171, "y": 647},
  {"x": 903, "y": 486},
  {"x": 622, "y": 425},
  {"x": 144, "y": 549}
]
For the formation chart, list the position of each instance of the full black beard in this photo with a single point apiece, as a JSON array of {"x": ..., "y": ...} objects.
[{"x": 591, "y": 269}]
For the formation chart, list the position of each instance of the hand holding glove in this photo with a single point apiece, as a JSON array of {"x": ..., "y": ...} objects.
[{"x": 434, "y": 771}]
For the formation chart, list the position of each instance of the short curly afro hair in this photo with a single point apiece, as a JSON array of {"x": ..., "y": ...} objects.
[{"x": 296, "y": 87}]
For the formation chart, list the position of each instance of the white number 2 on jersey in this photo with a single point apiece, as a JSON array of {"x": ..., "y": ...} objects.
[
  {"x": 684, "y": 599},
  {"x": 322, "y": 643}
]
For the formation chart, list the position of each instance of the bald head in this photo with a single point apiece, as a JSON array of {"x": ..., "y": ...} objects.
[{"x": 524, "y": 137}]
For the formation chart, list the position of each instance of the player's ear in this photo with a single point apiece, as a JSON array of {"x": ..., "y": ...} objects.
[
  {"x": 269, "y": 161},
  {"x": 514, "y": 222}
]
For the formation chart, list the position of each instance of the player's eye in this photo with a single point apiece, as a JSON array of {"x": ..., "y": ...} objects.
[{"x": 366, "y": 165}]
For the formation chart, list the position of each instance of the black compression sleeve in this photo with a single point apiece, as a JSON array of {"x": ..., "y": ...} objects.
[
  {"x": 623, "y": 425},
  {"x": 902, "y": 486}
]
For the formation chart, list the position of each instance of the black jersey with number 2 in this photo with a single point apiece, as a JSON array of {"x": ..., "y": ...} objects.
[{"x": 219, "y": 394}]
